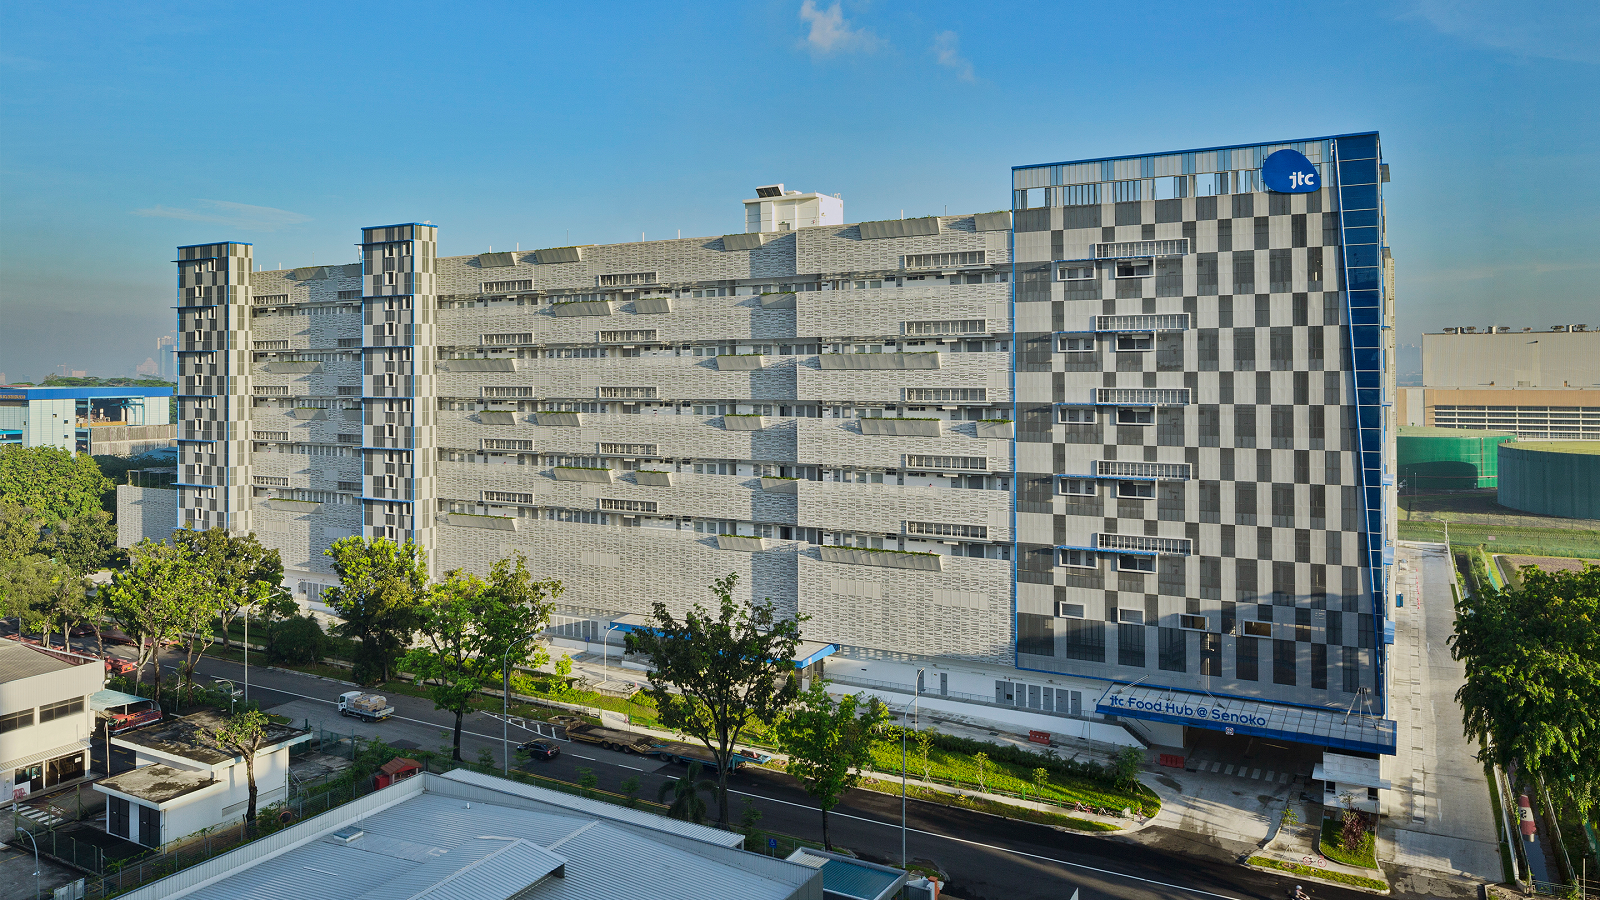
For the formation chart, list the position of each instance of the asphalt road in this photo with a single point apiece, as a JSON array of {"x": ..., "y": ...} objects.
[{"x": 988, "y": 858}]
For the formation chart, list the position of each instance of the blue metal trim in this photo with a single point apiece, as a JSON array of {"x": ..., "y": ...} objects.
[
  {"x": 823, "y": 653},
  {"x": 90, "y": 393},
  {"x": 1074, "y": 162},
  {"x": 1085, "y": 549},
  {"x": 215, "y": 243},
  {"x": 1011, "y": 365}
]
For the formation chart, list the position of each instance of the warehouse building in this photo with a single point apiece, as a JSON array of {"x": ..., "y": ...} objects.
[
  {"x": 1538, "y": 385},
  {"x": 1130, "y": 436},
  {"x": 116, "y": 421}
]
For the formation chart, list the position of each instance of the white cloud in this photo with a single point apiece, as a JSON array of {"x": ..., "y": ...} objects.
[
  {"x": 947, "y": 49},
  {"x": 1555, "y": 31},
  {"x": 234, "y": 215},
  {"x": 831, "y": 32}
]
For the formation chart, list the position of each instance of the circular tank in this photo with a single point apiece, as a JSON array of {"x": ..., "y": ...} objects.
[
  {"x": 1448, "y": 459},
  {"x": 1551, "y": 478}
]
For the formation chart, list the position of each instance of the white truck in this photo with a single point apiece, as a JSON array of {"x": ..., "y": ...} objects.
[{"x": 367, "y": 707}]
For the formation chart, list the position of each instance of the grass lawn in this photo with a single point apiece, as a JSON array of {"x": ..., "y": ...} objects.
[
  {"x": 992, "y": 807},
  {"x": 1325, "y": 874},
  {"x": 1365, "y": 856},
  {"x": 945, "y": 766}
]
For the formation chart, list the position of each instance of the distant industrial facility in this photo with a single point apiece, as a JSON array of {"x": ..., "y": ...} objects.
[
  {"x": 1555, "y": 478},
  {"x": 1534, "y": 384}
]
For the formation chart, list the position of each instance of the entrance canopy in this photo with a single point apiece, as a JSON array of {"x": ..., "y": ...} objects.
[{"x": 1259, "y": 718}]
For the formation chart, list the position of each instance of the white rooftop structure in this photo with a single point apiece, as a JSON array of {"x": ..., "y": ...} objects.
[
  {"x": 775, "y": 209},
  {"x": 463, "y": 836}
]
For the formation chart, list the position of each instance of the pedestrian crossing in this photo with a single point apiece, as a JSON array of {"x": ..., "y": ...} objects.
[
  {"x": 43, "y": 817},
  {"x": 1270, "y": 776}
]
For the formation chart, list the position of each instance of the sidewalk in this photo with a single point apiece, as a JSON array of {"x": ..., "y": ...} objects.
[{"x": 1438, "y": 819}]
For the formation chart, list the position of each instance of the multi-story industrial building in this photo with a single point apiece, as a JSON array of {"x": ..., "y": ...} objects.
[
  {"x": 1134, "y": 431},
  {"x": 1541, "y": 385}
]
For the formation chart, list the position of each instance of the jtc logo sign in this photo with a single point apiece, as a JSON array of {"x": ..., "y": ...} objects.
[{"x": 1289, "y": 172}]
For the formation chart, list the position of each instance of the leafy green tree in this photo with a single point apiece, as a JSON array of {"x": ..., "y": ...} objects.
[
  {"x": 149, "y": 598},
  {"x": 296, "y": 639},
  {"x": 42, "y": 592},
  {"x": 242, "y": 735},
  {"x": 829, "y": 742},
  {"x": 240, "y": 573},
  {"x": 1532, "y": 659},
  {"x": 924, "y": 738},
  {"x": 19, "y": 530},
  {"x": 472, "y": 628},
  {"x": 982, "y": 762},
  {"x": 1041, "y": 777},
  {"x": 711, "y": 676},
  {"x": 687, "y": 804},
  {"x": 1126, "y": 765},
  {"x": 381, "y": 590},
  {"x": 630, "y": 791},
  {"x": 86, "y": 543},
  {"x": 55, "y": 484}
]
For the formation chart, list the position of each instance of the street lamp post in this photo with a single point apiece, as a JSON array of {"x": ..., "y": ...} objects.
[
  {"x": 915, "y": 708},
  {"x": 505, "y": 707},
  {"x": 36, "y": 891}
]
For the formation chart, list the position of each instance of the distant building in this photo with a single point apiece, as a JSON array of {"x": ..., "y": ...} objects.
[
  {"x": 183, "y": 784},
  {"x": 148, "y": 367},
  {"x": 1536, "y": 384},
  {"x": 114, "y": 421},
  {"x": 45, "y": 719},
  {"x": 467, "y": 835}
]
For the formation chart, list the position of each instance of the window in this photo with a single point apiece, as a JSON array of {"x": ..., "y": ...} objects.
[
  {"x": 349, "y": 295},
  {"x": 508, "y": 392},
  {"x": 1135, "y": 415},
  {"x": 1083, "y": 487},
  {"x": 1135, "y": 269},
  {"x": 944, "y": 529},
  {"x": 1077, "y": 344},
  {"x": 617, "y": 280},
  {"x": 1079, "y": 559},
  {"x": 1135, "y": 342},
  {"x": 1069, "y": 610},
  {"x": 1128, "y": 563},
  {"x": 13, "y": 721},
  {"x": 628, "y": 393},
  {"x": 500, "y": 340},
  {"x": 1193, "y": 623},
  {"x": 507, "y": 497},
  {"x": 630, "y": 506},
  {"x": 507, "y": 444},
  {"x": 1258, "y": 629},
  {"x": 946, "y": 462},
  {"x": 940, "y": 260},
  {"x": 1136, "y": 490},
  {"x": 1130, "y": 616},
  {"x": 1075, "y": 272},
  {"x": 956, "y": 326},
  {"x": 52, "y": 711},
  {"x": 635, "y": 335},
  {"x": 628, "y": 449},
  {"x": 1174, "y": 650},
  {"x": 946, "y": 395}
]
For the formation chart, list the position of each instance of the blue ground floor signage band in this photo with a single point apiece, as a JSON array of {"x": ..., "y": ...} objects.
[
  {"x": 1179, "y": 709},
  {"x": 1289, "y": 172}
]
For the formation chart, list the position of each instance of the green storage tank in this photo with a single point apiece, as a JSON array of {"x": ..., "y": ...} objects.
[
  {"x": 1551, "y": 478},
  {"x": 1448, "y": 459}
]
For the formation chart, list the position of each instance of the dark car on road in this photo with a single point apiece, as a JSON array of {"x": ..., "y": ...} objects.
[{"x": 540, "y": 749}]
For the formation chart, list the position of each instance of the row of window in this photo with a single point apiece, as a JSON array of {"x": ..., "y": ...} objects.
[{"x": 46, "y": 713}]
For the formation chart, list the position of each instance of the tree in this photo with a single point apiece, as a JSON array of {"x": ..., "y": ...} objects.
[
  {"x": 472, "y": 630},
  {"x": 242, "y": 735},
  {"x": 55, "y": 484},
  {"x": 924, "y": 742},
  {"x": 687, "y": 804},
  {"x": 38, "y": 592},
  {"x": 1532, "y": 659},
  {"x": 148, "y": 598},
  {"x": 382, "y": 586},
  {"x": 1125, "y": 767},
  {"x": 711, "y": 676},
  {"x": 296, "y": 639},
  {"x": 828, "y": 742},
  {"x": 982, "y": 762},
  {"x": 86, "y": 543},
  {"x": 240, "y": 572},
  {"x": 237, "y": 574}
]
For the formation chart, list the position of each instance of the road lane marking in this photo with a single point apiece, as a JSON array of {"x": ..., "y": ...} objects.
[
  {"x": 947, "y": 837},
  {"x": 589, "y": 758}
]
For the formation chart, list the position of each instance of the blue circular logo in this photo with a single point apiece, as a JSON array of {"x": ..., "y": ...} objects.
[{"x": 1289, "y": 172}]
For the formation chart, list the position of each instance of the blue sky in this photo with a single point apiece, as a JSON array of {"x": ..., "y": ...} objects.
[{"x": 128, "y": 129}]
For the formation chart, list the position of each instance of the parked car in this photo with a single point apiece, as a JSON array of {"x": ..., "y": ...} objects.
[{"x": 540, "y": 749}]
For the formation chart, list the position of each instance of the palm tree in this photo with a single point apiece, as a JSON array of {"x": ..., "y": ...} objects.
[{"x": 687, "y": 804}]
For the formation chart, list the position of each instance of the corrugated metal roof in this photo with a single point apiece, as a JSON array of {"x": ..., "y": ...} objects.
[
  {"x": 19, "y": 661},
  {"x": 433, "y": 846},
  {"x": 601, "y": 809},
  {"x": 108, "y": 699},
  {"x": 850, "y": 878}
]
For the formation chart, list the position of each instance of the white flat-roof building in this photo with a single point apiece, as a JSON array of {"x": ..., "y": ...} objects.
[
  {"x": 45, "y": 719},
  {"x": 182, "y": 784},
  {"x": 467, "y": 835},
  {"x": 775, "y": 209}
]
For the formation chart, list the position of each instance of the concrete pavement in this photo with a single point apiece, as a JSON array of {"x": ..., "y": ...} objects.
[{"x": 1438, "y": 819}]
